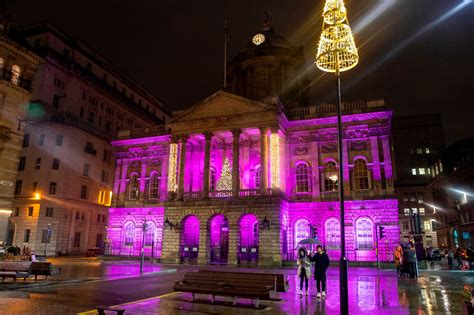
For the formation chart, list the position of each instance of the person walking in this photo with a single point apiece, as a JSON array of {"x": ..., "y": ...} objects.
[
  {"x": 398, "y": 258},
  {"x": 304, "y": 269},
  {"x": 411, "y": 260},
  {"x": 321, "y": 264},
  {"x": 450, "y": 259}
]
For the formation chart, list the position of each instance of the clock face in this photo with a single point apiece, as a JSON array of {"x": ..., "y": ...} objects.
[{"x": 258, "y": 39}]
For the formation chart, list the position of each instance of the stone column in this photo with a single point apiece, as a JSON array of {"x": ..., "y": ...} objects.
[
  {"x": 235, "y": 162},
  {"x": 142, "y": 191},
  {"x": 263, "y": 161},
  {"x": 347, "y": 183},
  {"x": 315, "y": 170},
  {"x": 207, "y": 162},
  {"x": 172, "y": 170},
  {"x": 123, "y": 180},
  {"x": 164, "y": 179},
  {"x": 233, "y": 237},
  {"x": 374, "y": 149},
  {"x": 203, "y": 255},
  {"x": 387, "y": 162},
  {"x": 182, "y": 157}
]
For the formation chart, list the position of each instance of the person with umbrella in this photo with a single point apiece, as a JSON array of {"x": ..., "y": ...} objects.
[
  {"x": 304, "y": 269},
  {"x": 321, "y": 264}
]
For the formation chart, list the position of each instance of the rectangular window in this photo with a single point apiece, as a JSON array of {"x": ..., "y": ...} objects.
[
  {"x": 405, "y": 225},
  {"x": 81, "y": 113},
  {"x": 38, "y": 164},
  {"x": 26, "y": 239},
  {"x": 427, "y": 150},
  {"x": 49, "y": 212},
  {"x": 55, "y": 164},
  {"x": 52, "y": 188},
  {"x": 41, "y": 139},
  {"x": 56, "y": 101},
  {"x": 427, "y": 225},
  {"x": 35, "y": 186},
  {"x": 413, "y": 197},
  {"x": 420, "y": 198},
  {"x": 26, "y": 140},
  {"x": 78, "y": 215},
  {"x": 77, "y": 239},
  {"x": 91, "y": 117},
  {"x": 105, "y": 156},
  {"x": 18, "y": 185},
  {"x": 59, "y": 140},
  {"x": 429, "y": 171},
  {"x": 413, "y": 171},
  {"x": 422, "y": 211},
  {"x": 85, "y": 170},
  {"x": 405, "y": 197},
  {"x": 421, "y": 171},
  {"x": 414, "y": 210},
  {"x": 406, "y": 211},
  {"x": 419, "y": 151},
  {"x": 83, "y": 216},
  {"x": 98, "y": 217},
  {"x": 17, "y": 212},
  {"x": 21, "y": 165},
  {"x": 104, "y": 177},
  {"x": 83, "y": 192},
  {"x": 30, "y": 211}
]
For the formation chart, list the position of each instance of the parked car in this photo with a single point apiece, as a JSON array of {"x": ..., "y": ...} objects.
[{"x": 94, "y": 252}]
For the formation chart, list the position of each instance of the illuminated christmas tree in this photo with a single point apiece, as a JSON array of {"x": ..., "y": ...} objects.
[{"x": 225, "y": 181}]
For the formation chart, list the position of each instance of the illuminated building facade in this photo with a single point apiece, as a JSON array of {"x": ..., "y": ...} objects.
[
  {"x": 282, "y": 179},
  {"x": 17, "y": 68},
  {"x": 66, "y": 171}
]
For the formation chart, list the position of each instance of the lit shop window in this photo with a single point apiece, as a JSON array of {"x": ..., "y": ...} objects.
[
  {"x": 129, "y": 234},
  {"x": 332, "y": 230},
  {"x": 421, "y": 171},
  {"x": 302, "y": 177},
  {"x": 406, "y": 211},
  {"x": 413, "y": 171},
  {"x": 301, "y": 231},
  {"x": 365, "y": 234}
]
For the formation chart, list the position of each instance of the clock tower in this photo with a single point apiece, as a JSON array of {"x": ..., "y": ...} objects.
[{"x": 269, "y": 69}]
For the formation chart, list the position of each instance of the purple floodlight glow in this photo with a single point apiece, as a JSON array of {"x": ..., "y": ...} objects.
[{"x": 190, "y": 232}]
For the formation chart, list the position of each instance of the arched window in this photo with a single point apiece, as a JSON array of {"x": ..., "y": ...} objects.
[
  {"x": 361, "y": 175},
  {"x": 154, "y": 186},
  {"x": 212, "y": 179},
  {"x": 150, "y": 234},
  {"x": 332, "y": 230},
  {"x": 257, "y": 177},
  {"x": 16, "y": 72},
  {"x": 330, "y": 176},
  {"x": 133, "y": 188},
  {"x": 302, "y": 230},
  {"x": 129, "y": 233},
  {"x": 302, "y": 177},
  {"x": 364, "y": 234},
  {"x": 255, "y": 233}
]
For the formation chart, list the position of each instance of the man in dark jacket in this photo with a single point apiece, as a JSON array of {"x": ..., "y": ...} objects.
[
  {"x": 321, "y": 264},
  {"x": 410, "y": 255}
]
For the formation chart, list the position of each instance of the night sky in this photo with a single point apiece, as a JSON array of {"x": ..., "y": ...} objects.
[{"x": 175, "y": 48}]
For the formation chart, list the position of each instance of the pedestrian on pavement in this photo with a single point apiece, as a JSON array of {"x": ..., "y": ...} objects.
[
  {"x": 398, "y": 258},
  {"x": 321, "y": 264},
  {"x": 450, "y": 259},
  {"x": 304, "y": 269},
  {"x": 410, "y": 257}
]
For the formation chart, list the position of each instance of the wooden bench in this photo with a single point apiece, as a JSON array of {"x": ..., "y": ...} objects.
[
  {"x": 14, "y": 269},
  {"x": 281, "y": 284},
  {"x": 41, "y": 268},
  {"x": 101, "y": 310},
  {"x": 234, "y": 284}
]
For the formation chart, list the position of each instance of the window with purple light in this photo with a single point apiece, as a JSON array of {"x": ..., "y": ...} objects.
[
  {"x": 257, "y": 177},
  {"x": 129, "y": 233},
  {"x": 154, "y": 186},
  {"x": 150, "y": 234},
  {"x": 133, "y": 188},
  {"x": 212, "y": 179},
  {"x": 361, "y": 175},
  {"x": 332, "y": 230},
  {"x": 364, "y": 234},
  {"x": 303, "y": 175},
  {"x": 302, "y": 230},
  {"x": 330, "y": 176}
]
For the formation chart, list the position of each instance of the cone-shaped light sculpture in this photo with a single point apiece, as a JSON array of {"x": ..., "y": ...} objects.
[{"x": 337, "y": 53}]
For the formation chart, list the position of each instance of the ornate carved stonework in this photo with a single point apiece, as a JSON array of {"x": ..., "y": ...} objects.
[
  {"x": 358, "y": 145},
  {"x": 352, "y": 134},
  {"x": 328, "y": 147},
  {"x": 157, "y": 152},
  {"x": 300, "y": 151}
]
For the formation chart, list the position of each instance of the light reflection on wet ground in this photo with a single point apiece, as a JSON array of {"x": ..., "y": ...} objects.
[{"x": 117, "y": 282}]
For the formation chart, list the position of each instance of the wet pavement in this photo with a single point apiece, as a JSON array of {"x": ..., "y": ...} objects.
[{"x": 85, "y": 283}]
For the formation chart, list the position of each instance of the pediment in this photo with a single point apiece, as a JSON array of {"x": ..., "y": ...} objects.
[{"x": 222, "y": 104}]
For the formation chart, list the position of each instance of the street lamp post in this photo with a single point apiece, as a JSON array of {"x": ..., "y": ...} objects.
[
  {"x": 337, "y": 53},
  {"x": 142, "y": 260}
]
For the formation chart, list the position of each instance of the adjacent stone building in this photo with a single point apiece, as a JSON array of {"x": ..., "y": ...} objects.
[
  {"x": 64, "y": 185},
  {"x": 418, "y": 142},
  {"x": 17, "y": 68},
  {"x": 241, "y": 177}
]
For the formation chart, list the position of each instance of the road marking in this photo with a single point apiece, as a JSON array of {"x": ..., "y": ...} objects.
[{"x": 132, "y": 302}]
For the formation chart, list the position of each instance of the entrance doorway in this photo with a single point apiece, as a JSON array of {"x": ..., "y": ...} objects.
[
  {"x": 189, "y": 245},
  {"x": 219, "y": 239},
  {"x": 248, "y": 249}
]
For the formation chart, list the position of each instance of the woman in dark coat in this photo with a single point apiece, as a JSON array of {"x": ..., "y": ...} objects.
[
  {"x": 321, "y": 264},
  {"x": 304, "y": 269}
]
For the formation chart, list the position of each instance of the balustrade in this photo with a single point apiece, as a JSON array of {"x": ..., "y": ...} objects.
[{"x": 329, "y": 195}]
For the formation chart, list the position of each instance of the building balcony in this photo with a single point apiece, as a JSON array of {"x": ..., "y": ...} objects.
[
  {"x": 15, "y": 79},
  {"x": 330, "y": 195},
  {"x": 307, "y": 196}
]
